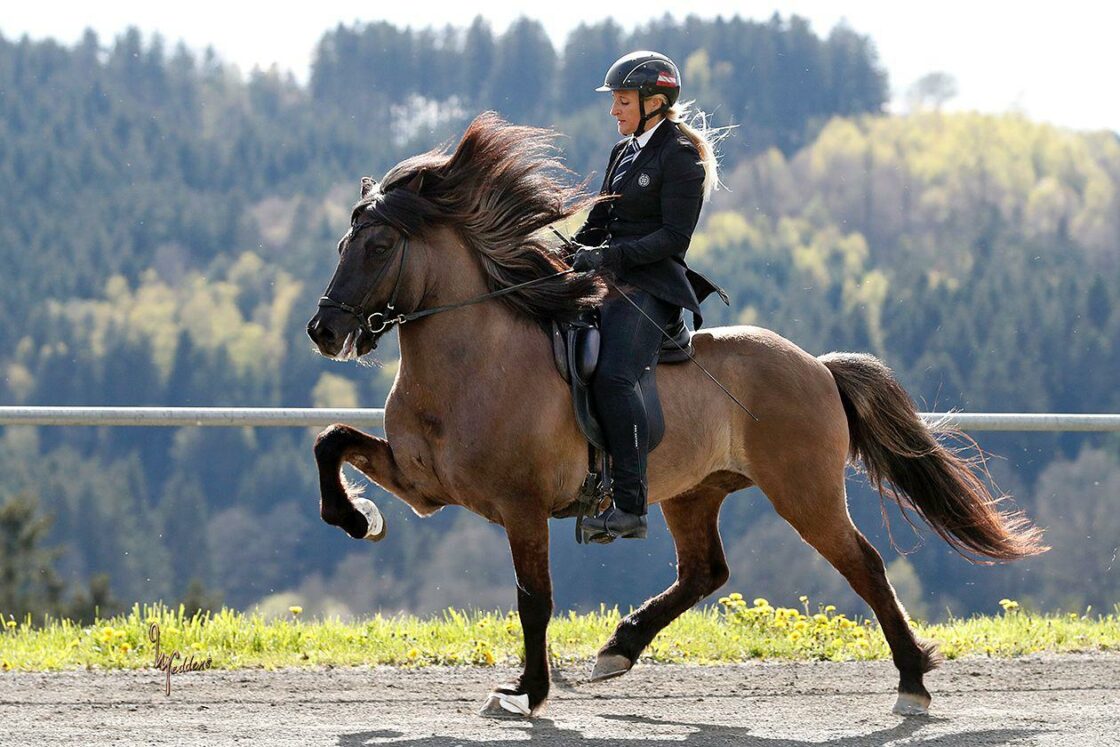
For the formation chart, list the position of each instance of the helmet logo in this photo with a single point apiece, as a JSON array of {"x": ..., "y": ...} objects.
[
  {"x": 666, "y": 79},
  {"x": 643, "y": 179}
]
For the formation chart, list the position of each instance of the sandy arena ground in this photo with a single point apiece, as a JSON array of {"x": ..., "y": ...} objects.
[{"x": 1038, "y": 700}]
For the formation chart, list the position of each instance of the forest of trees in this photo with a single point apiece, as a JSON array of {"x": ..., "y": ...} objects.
[{"x": 166, "y": 225}]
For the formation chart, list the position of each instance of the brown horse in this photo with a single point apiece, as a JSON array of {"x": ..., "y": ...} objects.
[{"x": 479, "y": 417}]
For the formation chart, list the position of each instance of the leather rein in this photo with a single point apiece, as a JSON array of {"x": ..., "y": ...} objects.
[{"x": 385, "y": 318}]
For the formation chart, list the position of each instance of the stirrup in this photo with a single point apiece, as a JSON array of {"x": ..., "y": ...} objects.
[{"x": 607, "y": 535}]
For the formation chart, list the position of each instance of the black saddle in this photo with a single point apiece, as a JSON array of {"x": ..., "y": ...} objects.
[{"x": 575, "y": 347}]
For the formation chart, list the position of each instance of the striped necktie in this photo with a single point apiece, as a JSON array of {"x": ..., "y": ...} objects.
[{"x": 628, "y": 157}]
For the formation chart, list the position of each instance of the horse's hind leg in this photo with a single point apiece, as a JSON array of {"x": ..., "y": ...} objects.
[
  {"x": 820, "y": 516},
  {"x": 701, "y": 569}
]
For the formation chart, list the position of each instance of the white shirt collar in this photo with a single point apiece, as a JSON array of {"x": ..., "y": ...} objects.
[{"x": 645, "y": 136}]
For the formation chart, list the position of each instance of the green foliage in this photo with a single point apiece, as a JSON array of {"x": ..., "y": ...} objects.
[
  {"x": 171, "y": 223},
  {"x": 28, "y": 580},
  {"x": 735, "y": 632}
]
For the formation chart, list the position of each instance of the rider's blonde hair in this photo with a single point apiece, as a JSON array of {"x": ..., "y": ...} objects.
[{"x": 694, "y": 124}]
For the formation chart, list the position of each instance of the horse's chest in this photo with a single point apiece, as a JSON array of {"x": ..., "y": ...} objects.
[{"x": 435, "y": 451}]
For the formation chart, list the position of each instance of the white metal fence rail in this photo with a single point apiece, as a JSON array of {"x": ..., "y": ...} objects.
[
  {"x": 375, "y": 417},
  {"x": 186, "y": 416}
]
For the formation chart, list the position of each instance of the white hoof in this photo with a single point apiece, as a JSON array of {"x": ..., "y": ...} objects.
[
  {"x": 504, "y": 705},
  {"x": 375, "y": 520},
  {"x": 911, "y": 705}
]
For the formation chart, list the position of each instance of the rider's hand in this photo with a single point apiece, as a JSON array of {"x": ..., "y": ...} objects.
[{"x": 588, "y": 258}]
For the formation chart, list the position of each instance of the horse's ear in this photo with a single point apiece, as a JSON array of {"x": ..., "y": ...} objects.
[
  {"x": 368, "y": 185},
  {"x": 416, "y": 183}
]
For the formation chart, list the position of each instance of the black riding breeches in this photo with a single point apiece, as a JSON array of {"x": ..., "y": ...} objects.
[{"x": 629, "y": 344}]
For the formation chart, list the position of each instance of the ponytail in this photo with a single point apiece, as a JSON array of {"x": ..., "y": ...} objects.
[{"x": 694, "y": 125}]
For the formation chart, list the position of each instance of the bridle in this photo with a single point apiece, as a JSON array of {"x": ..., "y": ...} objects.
[{"x": 384, "y": 319}]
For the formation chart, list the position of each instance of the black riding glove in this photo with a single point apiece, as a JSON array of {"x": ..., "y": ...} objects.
[{"x": 588, "y": 258}]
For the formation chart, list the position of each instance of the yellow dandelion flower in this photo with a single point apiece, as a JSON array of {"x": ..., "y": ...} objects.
[
  {"x": 735, "y": 596},
  {"x": 295, "y": 609},
  {"x": 413, "y": 653},
  {"x": 12, "y": 623}
]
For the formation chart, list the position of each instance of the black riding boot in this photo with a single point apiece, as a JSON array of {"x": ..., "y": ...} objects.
[{"x": 630, "y": 342}]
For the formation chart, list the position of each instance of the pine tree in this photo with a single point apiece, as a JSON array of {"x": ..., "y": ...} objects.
[{"x": 28, "y": 580}]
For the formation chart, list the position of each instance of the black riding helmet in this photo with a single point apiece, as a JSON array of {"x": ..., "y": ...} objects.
[{"x": 648, "y": 73}]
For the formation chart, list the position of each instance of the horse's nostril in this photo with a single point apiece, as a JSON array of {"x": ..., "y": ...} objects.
[{"x": 319, "y": 333}]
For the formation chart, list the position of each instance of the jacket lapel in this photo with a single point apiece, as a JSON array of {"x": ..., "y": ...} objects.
[
  {"x": 663, "y": 133},
  {"x": 616, "y": 155}
]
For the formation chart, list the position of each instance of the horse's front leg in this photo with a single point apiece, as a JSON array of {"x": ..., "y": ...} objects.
[
  {"x": 528, "y": 542},
  {"x": 357, "y": 516}
]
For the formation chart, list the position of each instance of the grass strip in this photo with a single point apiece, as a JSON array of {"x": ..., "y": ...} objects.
[{"x": 729, "y": 632}]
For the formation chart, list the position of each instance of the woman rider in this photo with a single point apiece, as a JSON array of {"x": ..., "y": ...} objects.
[{"x": 658, "y": 177}]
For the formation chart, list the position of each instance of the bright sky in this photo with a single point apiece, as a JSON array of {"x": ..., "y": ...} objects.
[{"x": 1055, "y": 62}]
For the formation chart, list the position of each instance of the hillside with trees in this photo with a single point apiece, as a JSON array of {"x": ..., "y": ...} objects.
[{"x": 168, "y": 224}]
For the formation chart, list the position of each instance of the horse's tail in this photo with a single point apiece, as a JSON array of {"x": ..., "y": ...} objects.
[{"x": 906, "y": 463}]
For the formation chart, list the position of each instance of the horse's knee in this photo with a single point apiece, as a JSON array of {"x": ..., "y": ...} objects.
[{"x": 331, "y": 441}]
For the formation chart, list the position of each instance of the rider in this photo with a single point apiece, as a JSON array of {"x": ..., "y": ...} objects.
[{"x": 658, "y": 176}]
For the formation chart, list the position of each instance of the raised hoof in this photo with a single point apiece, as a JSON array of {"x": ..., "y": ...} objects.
[
  {"x": 909, "y": 704},
  {"x": 375, "y": 522},
  {"x": 609, "y": 666},
  {"x": 504, "y": 705}
]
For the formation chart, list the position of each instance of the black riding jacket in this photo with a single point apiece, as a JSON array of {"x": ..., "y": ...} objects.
[{"x": 649, "y": 224}]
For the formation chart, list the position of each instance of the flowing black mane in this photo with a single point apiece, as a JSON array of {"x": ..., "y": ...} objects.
[{"x": 501, "y": 188}]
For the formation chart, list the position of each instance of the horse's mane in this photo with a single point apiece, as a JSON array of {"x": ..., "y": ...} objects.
[{"x": 501, "y": 188}]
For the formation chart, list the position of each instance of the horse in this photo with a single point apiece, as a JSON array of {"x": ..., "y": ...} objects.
[{"x": 479, "y": 417}]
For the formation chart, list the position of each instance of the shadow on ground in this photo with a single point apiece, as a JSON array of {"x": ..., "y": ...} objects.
[{"x": 544, "y": 731}]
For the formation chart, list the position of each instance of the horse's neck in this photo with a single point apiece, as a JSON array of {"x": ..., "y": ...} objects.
[
  {"x": 462, "y": 346},
  {"x": 468, "y": 350}
]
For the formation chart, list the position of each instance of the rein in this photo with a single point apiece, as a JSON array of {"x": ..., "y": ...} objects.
[
  {"x": 386, "y": 321},
  {"x": 385, "y": 318}
]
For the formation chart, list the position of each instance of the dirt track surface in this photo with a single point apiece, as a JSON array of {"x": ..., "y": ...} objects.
[{"x": 1044, "y": 700}]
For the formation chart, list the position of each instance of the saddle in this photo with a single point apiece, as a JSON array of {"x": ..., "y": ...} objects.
[{"x": 575, "y": 348}]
